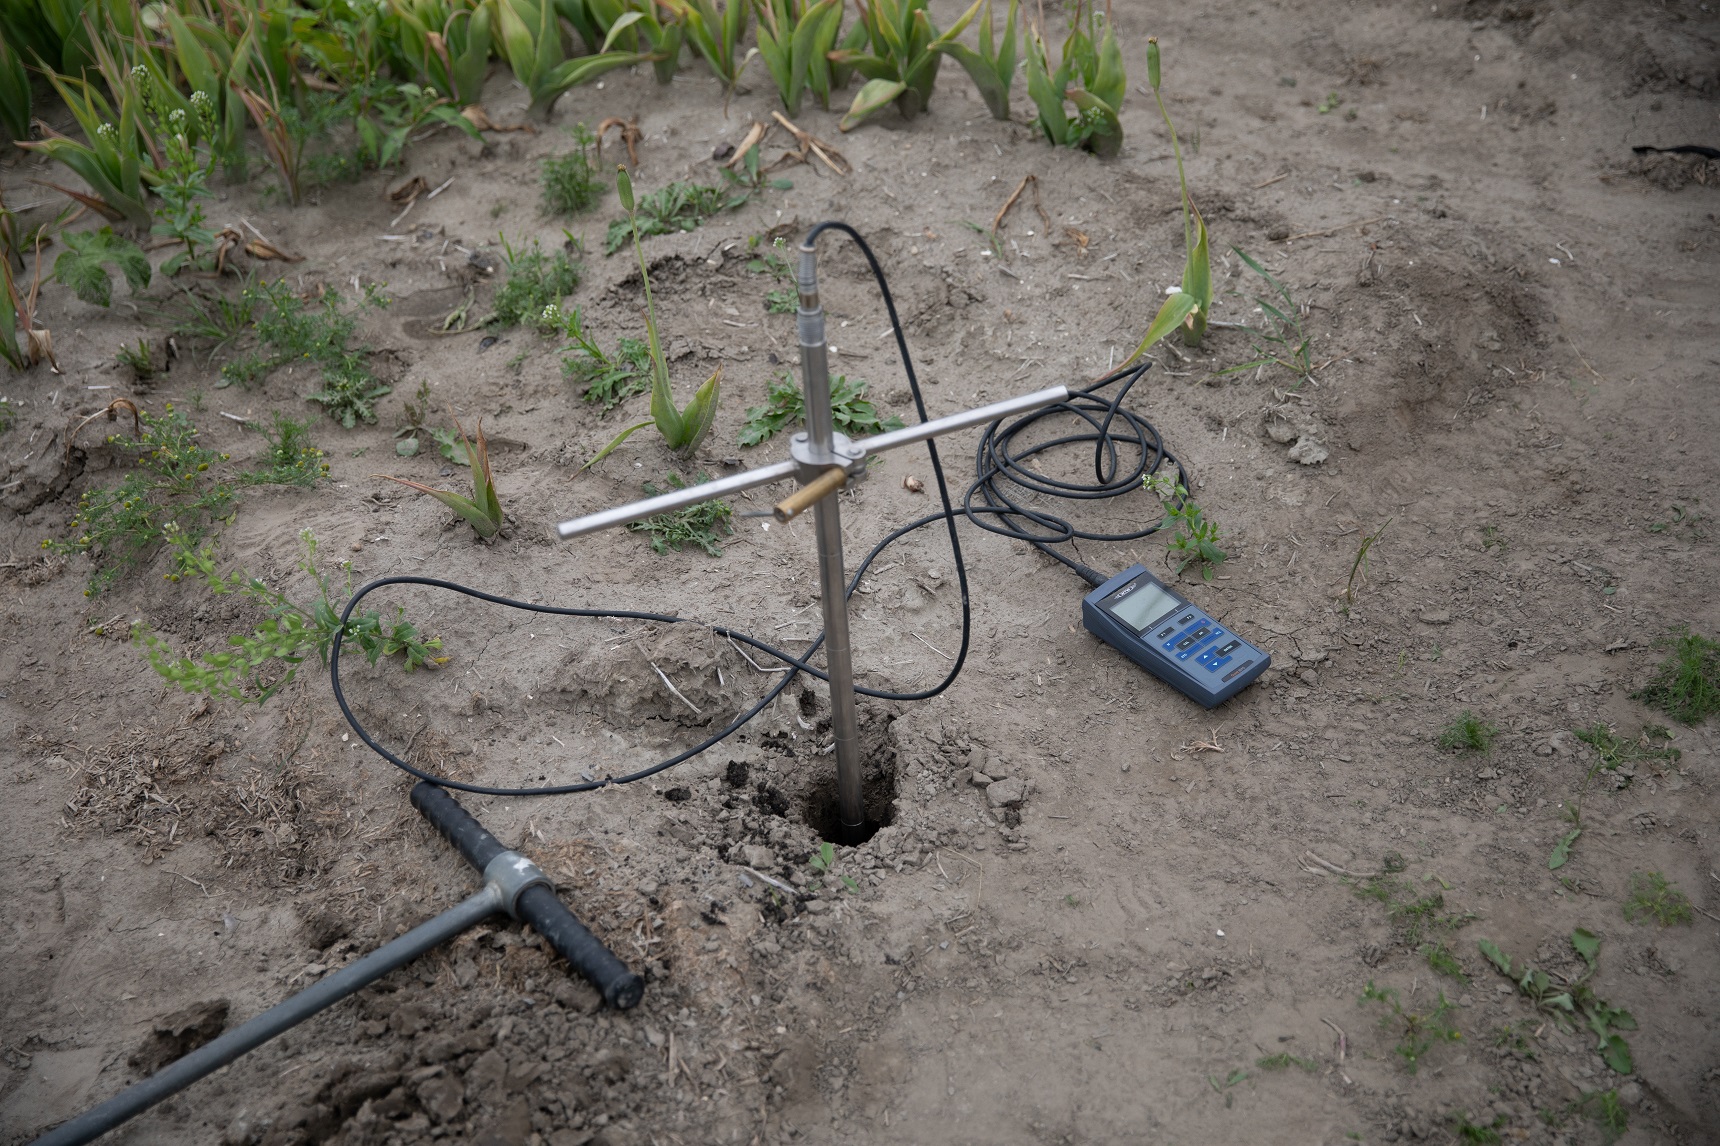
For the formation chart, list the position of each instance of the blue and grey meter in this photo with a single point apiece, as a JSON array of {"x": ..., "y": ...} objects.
[{"x": 1175, "y": 641}]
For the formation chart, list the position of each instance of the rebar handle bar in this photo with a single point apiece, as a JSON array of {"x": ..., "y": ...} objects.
[{"x": 537, "y": 905}]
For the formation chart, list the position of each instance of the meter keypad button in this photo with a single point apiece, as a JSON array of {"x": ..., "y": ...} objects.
[
  {"x": 1217, "y": 664},
  {"x": 1189, "y": 641},
  {"x": 1204, "y": 640},
  {"x": 1213, "y": 650}
]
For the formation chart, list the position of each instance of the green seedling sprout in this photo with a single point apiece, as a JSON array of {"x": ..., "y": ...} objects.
[
  {"x": 682, "y": 429},
  {"x": 482, "y": 511},
  {"x": 1189, "y": 304}
]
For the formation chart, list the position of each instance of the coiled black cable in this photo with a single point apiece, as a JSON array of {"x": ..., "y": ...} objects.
[
  {"x": 1002, "y": 462},
  {"x": 999, "y": 461}
]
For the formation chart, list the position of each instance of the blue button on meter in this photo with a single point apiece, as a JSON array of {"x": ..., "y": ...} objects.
[{"x": 1174, "y": 640}]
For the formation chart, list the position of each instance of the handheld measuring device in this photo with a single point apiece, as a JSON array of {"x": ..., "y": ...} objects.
[{"x": 1174, "y": 640}]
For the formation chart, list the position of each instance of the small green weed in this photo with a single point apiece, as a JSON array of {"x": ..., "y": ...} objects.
[
  {"x": 1284, "y": 1060},
  {"x": 771, "y": 261},
  {"x": 780, "y": 299},
  {"x": 570, "y": 182},
  {"x": 1695, "y": 522},
  {"x": 1653, "y": 897},
  {"x": 1282, "y": 341},
  {"x": 1187, "y": 306},
  {"x": 1493, "y": 538},
  {"x": 1477, "y": 1133},
  {"x": 320, "y": 332},
  {"x": 406, "y": 442},
  {"x": 695, "y": 525},
  {"x": 823, "y": 863},
  {"x": 1575, "y": 999},
  {"x": 171, "y": 486},
  {"x": 785, "y": 405},
  {"x": 1416, "y": 1033},
  {"x": 1468, "y": 733},
  {"x": 1687, "y": 684},
  {"x": 186, "y": 137},
  {"x": 1359, "y": 567},
  {"x": 82, "y": 266},
  {"x": 291, "y": 458},
  {"x": 1444, "y": 961},
  {"x": 608, "y": 379},
  {"x": 1617, "y": 753},
  {"x": 217, "y": 318},
  {"x": 139, "y": 360},
  {"x": 1222, "y": 1086},
  {"x": 1196, "y": 539},
  {"x": 1415, "y": 918},
  {"x": 1513, "y": 1040},
  {"x": 536, "y": 280},
  {"x": 1614, "y": 754},
  {"x": 1331, "y": 103},
  {"x": 677, "y": 207},
  {"x": 1604, "y": 1109},
  {"x": 253, "y": 671}
]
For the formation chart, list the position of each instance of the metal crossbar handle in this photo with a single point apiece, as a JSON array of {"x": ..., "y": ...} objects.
[
  {"x": 823, "y": 462},
  {"x": 783, "y": 471}
]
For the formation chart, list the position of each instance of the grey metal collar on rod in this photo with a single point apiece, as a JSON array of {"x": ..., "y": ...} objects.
[{"x": 816, "y": 454}]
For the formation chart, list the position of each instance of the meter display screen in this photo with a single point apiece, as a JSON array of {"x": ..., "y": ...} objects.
[{"x": 1142, "y": 607}]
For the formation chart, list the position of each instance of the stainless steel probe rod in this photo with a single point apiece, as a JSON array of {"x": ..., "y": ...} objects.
[{"x": 815, "y": 452}]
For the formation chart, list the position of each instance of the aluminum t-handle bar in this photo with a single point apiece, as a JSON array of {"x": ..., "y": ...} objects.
[{"x": 784, "y": 471}]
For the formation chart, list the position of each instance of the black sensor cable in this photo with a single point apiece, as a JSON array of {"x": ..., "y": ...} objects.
[{"x": 1126, "y": 449}]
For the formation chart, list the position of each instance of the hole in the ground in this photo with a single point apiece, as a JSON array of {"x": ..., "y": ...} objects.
[{"x": 818, "y": 807}]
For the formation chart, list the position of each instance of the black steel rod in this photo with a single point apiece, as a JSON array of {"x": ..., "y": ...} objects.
[
  {"x": 211, "y": 1056},
  {"x": 539, "y": 906}
]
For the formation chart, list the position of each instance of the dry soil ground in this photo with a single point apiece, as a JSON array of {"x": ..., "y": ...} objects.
[{"x": 1514, "y": 324}]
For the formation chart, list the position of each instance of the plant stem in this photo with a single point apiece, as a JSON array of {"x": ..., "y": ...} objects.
[{"x": 1176, "y": 148}]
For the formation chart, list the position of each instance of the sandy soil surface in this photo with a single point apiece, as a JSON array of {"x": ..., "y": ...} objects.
[{"x": 1514, "y": 320}]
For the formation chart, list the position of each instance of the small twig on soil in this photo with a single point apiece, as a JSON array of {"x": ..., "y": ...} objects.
[
  {"x": 773, "y": 881},
  {"x": 1310, "y": 857},
  {"x": 189, "y": 880},
  {"x": 671, "y": 687},
  {"x": 931, "y": 646},
  {"x": 1274, "y": 179},
  {"x": 1343, "y": 1039},
  {"x": 997, "y": 221},
  {"x": 234, "y": 418},
  {"x": 1205, "y": 746},
  {"x": 810, "y": 143},
  {"x": 1335, "y": 230}
]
